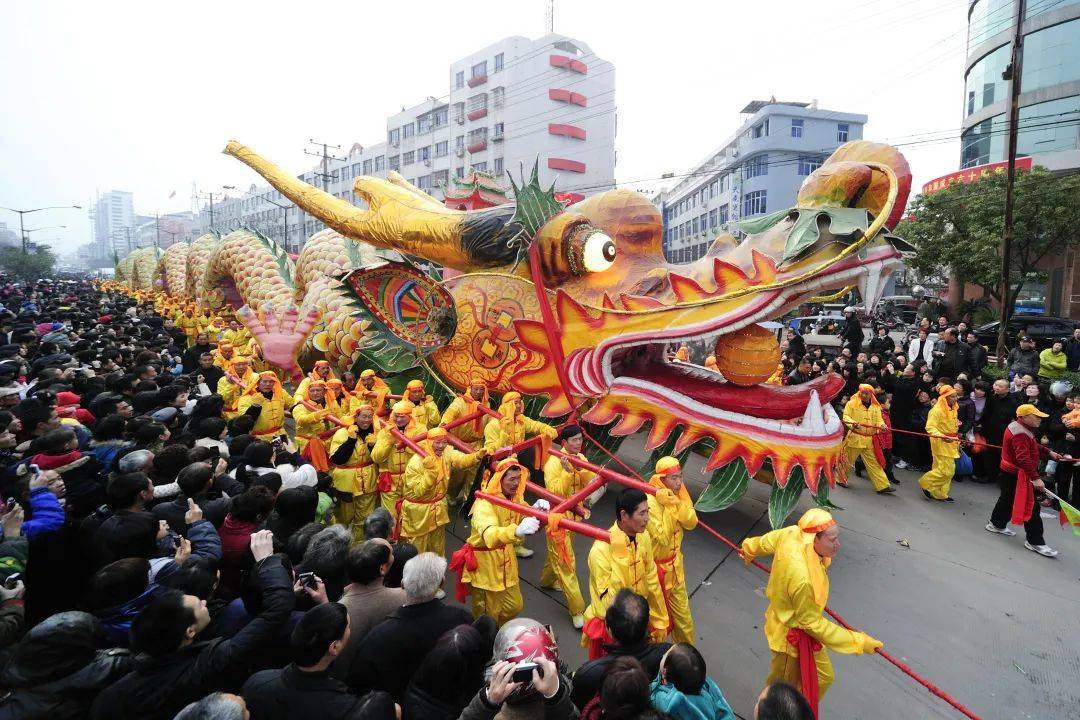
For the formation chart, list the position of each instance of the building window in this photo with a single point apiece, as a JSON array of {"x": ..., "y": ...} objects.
[
  {"x": 459, "y": 80},
  {"x": 754, "y": 203},
  {"x": 498, "y": 166},
  {"x": 459, "y": 172},
  {"x": 407, "y": 158},
  {"x": 498, "y": 62},
  {"x": 1051, "y": 56},
  {"x": 983, "y": 85},
  {"x": 479, "y": 69},
  {"x": 440, "y": 178},
  {"x": 796, "y": 128},
  {"x": 395, "y": 162},
  {"x": 380, "y": 163},
  {"x": 498, "y": 96},
  {"x": 714, "y": 187},
  {"x": 842, "y": 132},
  {"x": 704, "y": 195},
  {"x": 459, "y": 112},
  {"x": 394, "y": 136},
  {"x": 356, "y": 169},
  {"x": 424, "y": 153},
  {"x": 442, "y": 149},
  {"x": 499, "y": 127},
  {"x": 808, "y": 164},
  {"x": 424, "y": 182},
  {"x": 408, "y": 130},
  {"x": 694, "y": 226},
  {"x": 459, "y": 142},
  {"x": 480, "y": 167},
  {"x": 712, "y": 219},
  {"x": 478, "y": 102},
  {"x": 367, "y": 167},
  {"x": 761, "y": 129},
  {"x": 756, "y": 166},
  {"x": 723, "y": 215}
]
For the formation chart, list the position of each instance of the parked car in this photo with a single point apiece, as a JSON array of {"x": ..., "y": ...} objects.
[{"x": 1042, "y": 329}]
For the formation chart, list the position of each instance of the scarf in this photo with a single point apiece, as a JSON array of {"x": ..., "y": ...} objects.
[
  {"x": 944, "y": 393},
  {"x": 510, "y": 420},
  {"x": 52, "y": 462},
  {"x": 812, "y": 522}
]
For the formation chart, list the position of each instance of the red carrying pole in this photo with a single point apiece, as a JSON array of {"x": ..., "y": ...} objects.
[
  {"x": 606, "y": 473},
  {"x": 565, "y": 504},
  {"x": 542, "y": 492},
  {"x": 572, "y": 525},
  {"x": 514, "y": 449},
  {"x": 408, "y": 442}
]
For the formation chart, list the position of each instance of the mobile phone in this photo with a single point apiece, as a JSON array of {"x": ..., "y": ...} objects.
[
  {"x": 523, "y": 672},
  {"x": 12, "y": 580},
  {"x": 307, "y": 580}
]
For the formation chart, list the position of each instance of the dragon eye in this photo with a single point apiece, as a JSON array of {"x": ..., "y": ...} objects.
[{"x": 599, "y": 252}]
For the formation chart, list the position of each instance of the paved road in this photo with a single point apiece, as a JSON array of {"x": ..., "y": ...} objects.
[{"x": 986, "y": 620}]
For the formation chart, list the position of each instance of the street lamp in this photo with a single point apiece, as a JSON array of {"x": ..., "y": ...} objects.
[{"x": 22, "y": 231}]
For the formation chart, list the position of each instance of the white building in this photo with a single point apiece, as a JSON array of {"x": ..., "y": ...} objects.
[
  {"x": 114, "y": 223},
  {"x": 8, "y": 238},
  {"x": 757, "y": 170},
  {"x": 506, "y": 106}
]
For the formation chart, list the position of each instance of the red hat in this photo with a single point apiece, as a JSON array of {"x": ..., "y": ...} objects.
[{"x": 67, "y": 398}]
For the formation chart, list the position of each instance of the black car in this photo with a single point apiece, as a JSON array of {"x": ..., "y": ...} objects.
[{"x": 1042, "y": 329}]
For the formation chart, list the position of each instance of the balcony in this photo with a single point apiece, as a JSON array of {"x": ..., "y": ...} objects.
[
  {"x": 475, "y": 147},
  {"x": 477, "y": 80},
  {"x": 568, "y": 63},
  {"x": 564, "y": 164},
  {"x": 560, "y": 95},
  {"x": 498, "y": 137},
  {"x": 570, "y": 131},
  {"x": 477, "y": 113}
]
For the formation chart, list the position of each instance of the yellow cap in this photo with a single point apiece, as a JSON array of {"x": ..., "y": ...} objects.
[
  {"x": 667, "y": 465},
  {"x": 415, "y": 385},
  {"x": 1029, "y": 409},
  {"x": 403, "y": 407}
]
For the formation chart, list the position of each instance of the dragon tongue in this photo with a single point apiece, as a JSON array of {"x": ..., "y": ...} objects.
[{"x": 813, "y": 418}]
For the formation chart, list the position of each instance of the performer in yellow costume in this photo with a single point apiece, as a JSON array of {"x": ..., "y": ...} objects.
[
  {"x": 353, "y": 471},
  {"x": 316, "y": 422},
  {"x": 423, "y": 501},
  {"x": 513, "y": 427},
  {"x": 238, "y": 335},
  {"x": 625, "y": 562},
  {"x": 862, "y": 416},
  {"x": 942, "y": 425},
  {"x": 391, "y": 456},
  {"x": 560, "y": 567},
  {"x": 271, "y": 401},
  {"x": 189, "y": 324},
  {"x": 345, "y": 402},
  {"x": 321, "y": 371},
  {"x": 798, "y": 591},
  {"x": 425, "y": 412},
  {"x": 238, "y": 377},
  {"x": 486, "y": 562},
  {"x": 208, "y": 326},
  {"x": 224, "y": 354},
  {"x": 373, "y": 389},
  {"x": 470, "y": 433},
  {"x": 671, "y": 512}
]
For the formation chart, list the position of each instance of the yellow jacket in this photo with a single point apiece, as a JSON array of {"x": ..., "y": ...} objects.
[
  {"x": 230, "y": 392},
  {"x": 494, "y": 536},
  {"x": 496, "y": 436},
  {"x": 358, "y": 474},
  {"x": 669, "y": 516},
  {"x": 314, "y": 422},
  {"x": 426, "y": 415},
  {"x": 856, "y": 416},
  {"x": 240, "y": 339},
  {"x": 221, "y": 361},
  {"x": 939, "y": 422},
  {"x": 791, "y": 596},
  {"x": 565, "y": 482},
  {"x": 272, "y": 418},
  {"x": 391, "y": 458},
  {"x": 471, "y": 432},
  {"x": 625, "y": 563},
  {"x": 189, "y": 325},
  {"x": 423, "y": 499}
]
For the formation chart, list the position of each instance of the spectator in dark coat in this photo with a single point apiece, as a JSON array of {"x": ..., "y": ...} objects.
[
  {"x": 195, "y": 481},
  {"x": 882, "y": 343},
  {"x": 1072, "y": 351},
  {"x": 1023, "y": 360},
  {"x": 173, "y": 670},
  {"x": 977, "y": 358},
  {"x": 391, "y": 653},
  {"x": 951, "y": 356},
  {"x": 627, "y": 619},
  {"x": 852, "y": 333}
]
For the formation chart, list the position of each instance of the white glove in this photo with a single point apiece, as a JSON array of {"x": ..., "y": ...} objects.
[
  {"x": 542, "y": 505},
  {"x": 527, "y": 527}
]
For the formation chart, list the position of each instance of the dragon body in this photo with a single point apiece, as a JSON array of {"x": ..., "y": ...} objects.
[{"x": 578, "y": 304}]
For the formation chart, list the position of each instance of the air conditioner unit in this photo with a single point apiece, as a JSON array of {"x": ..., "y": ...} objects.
[
  {"x": 460, "y": 119},
  {"x": 428, "y": 163},
  {"x": 396, "y": 144},
  {"x": 460, "y": 152}
]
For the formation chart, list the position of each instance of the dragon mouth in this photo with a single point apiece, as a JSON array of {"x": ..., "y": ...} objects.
[{"x": 788, "y": 425}]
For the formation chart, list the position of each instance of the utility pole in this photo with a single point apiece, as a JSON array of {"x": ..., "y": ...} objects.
[
  {"x": 157, "y": 230},
  {"x": 326, "y": 158},
  {"x": 285, "y": 222},
  {"x": 210, "y": 195},
  {"x": 22, "y": 227},
  {"x": 549, "y": 15},
  {"x": 1012, "y": 74}
]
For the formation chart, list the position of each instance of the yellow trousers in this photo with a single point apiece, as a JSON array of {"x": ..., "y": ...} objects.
[
  {"x": 434, "y": 541},
  {"x": 678, "y": 604},
  {"x": 352, "y": 513},
  {"x": 502, "y": 605},
  {"x": 877, "y": 476},
  {"x": 785, "y": 668},
  {"x": 556, "y": 574},
  {"x": 939, "y": 478},
  {"x": 389, "y": 501}
]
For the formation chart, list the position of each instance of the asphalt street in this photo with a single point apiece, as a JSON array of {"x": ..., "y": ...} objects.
[{"x": 977, "y": 614}]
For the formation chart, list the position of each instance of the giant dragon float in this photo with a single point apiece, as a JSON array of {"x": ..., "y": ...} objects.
[{"x": 575, "y": 304}]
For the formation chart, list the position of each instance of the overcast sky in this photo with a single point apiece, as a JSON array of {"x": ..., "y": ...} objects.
[{"x": 142, "y": 96}]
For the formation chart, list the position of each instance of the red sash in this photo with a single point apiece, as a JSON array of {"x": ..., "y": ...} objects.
[
  {"x": 808, "y": 678},
  {"x": 598, "y": 636}
]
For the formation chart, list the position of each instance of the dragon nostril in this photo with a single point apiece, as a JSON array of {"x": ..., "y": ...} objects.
[{"x": 654, "y": 283}]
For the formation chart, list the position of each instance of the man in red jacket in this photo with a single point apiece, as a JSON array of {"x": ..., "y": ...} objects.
[{"x": 1020, "y": 482}]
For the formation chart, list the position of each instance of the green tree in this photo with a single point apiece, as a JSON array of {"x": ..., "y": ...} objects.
[
  {"x": 31, "y": 266},
  {"x": 960, "y": 227}
]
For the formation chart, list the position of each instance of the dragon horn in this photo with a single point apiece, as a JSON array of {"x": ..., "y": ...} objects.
[{"x": 396, "y": 218}]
